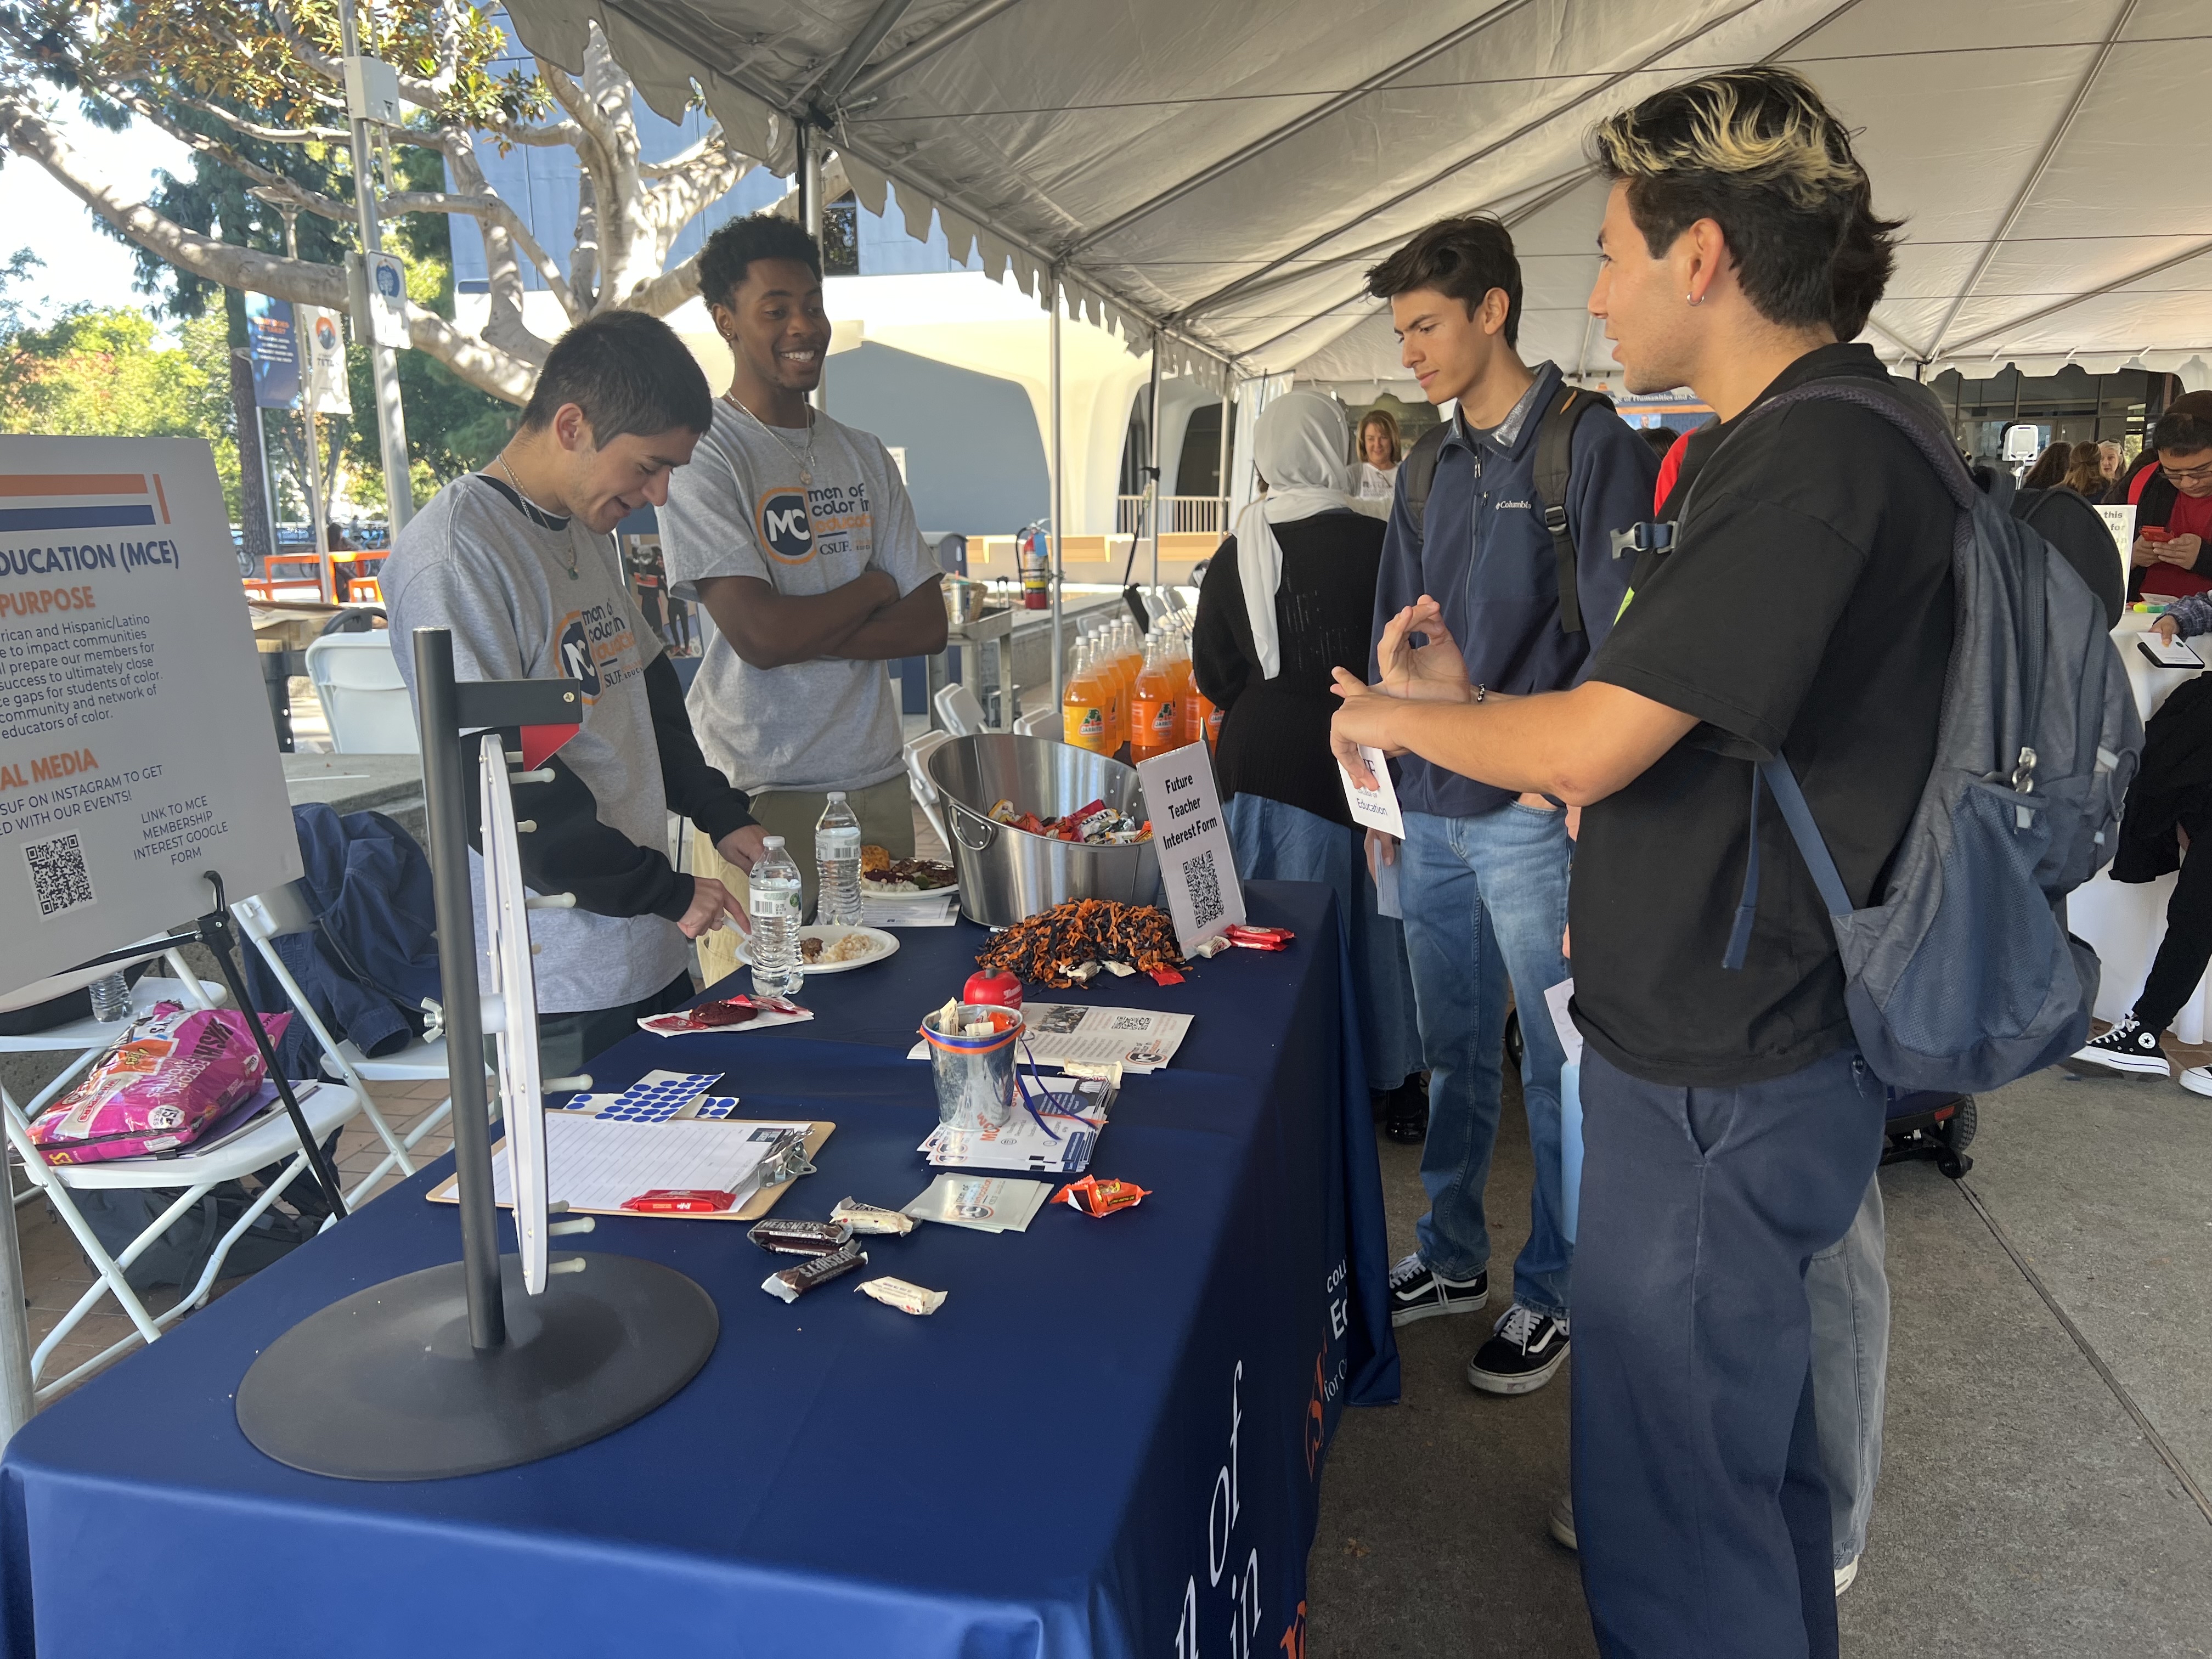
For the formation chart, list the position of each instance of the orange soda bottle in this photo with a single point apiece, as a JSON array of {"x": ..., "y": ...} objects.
[
  {"x": 1158, "y": 710},
  {"x": 1083, "y": 706}
]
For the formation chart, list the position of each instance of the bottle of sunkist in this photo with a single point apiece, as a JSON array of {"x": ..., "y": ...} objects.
[
  {"x": 1159, "y": 718},
  {"x": 1083, "y": 707},
  {"x": 837, "y": 859},
  {"x": 772, "y": 898}
]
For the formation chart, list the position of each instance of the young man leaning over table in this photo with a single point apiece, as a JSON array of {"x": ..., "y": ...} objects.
[
  {"x": 794, "y": 533},
  {"x": 519, "y": 562},
  {"x": 1730, "y": 1126}
]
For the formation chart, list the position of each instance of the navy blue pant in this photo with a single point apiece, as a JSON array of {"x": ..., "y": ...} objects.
[{"x": 1700, "y": 1506}]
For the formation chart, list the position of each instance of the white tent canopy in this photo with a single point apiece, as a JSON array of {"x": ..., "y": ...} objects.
[{"x": 1226, "y": 174}]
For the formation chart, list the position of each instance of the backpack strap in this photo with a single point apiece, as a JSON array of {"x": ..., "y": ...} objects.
[
  {"x": 1782, "y": 782},
  {"x": 1555, "y": 439},
  {"x": 1417, "y": 472}
]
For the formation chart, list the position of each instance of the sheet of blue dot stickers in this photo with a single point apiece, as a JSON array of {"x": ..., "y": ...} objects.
[{"x": 658, "y": 1096}]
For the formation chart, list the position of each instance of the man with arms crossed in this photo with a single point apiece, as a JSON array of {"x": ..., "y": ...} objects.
[
  {"x": 1730, "y": 1125},
  {"x": 518, "y": 561},
  {"x": 795, "y": 532},
  {"x": 1485, "y": 881}
]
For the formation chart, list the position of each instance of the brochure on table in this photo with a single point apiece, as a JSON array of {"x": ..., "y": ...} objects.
[
  {"x": 1191, "y": 835},
  {"x": 1140, "y": 1039},
  {"x": 137, "y": 749}
]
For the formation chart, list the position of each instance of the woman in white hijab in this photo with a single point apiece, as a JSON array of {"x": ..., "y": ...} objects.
[{"x": 1287, "y": 600}]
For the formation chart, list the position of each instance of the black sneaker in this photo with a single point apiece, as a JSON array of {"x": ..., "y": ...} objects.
[
  {"x": 1406, "y": 1115},
  {"x": 1416, "y": 1292},
  {"x": 1520, "y": 1359},
  {"x": 2126, "y": 1049}
]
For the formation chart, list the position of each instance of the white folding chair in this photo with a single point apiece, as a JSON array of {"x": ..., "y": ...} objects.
[
  {"x": 327, "y": 1107},
  {"x": 1039, "y": 723},
  {"x": 959, "y": 711},
  {"x": 89, "y": 1038},
  {"x": 363, "y": 698},
  {"x": 918, "y": 751},
  {"x": 266, "y": 917}
]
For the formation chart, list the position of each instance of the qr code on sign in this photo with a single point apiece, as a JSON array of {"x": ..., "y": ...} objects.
[
  {"x": 1204, "y": 887},
  {"x": 58, "y": 874}
]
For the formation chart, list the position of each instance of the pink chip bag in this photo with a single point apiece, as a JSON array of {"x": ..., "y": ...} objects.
[{"x": 179, "y": 1069}]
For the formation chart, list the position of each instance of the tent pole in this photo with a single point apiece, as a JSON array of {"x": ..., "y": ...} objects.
[
  {"x": 1153, "y": 468},
  {"x": 810, "y": 219},
  {"x": 1221, "y": 467},
  {"x": 1059, "y": 497}
]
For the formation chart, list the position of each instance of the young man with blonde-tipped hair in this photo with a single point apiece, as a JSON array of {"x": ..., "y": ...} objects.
[{"x": 1806, "y": 610}]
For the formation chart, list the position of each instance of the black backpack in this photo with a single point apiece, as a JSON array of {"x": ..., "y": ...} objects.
[{"x": 1555, "y": 439}]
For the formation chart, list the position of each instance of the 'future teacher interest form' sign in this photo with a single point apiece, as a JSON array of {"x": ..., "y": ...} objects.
[
  {"x": 1197, "y": 867},
  {"x": 135, "y": 748}
]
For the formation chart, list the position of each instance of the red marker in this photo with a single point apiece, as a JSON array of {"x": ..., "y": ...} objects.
[{"x": 681, "y": 1201}]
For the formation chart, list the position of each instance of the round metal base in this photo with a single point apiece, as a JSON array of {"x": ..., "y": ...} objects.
[{"x": 384, "y": 1385}]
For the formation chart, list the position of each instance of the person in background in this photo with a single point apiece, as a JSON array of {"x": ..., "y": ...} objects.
[
  {"x": 1730, "y": 1128},
  {"x": 2085, "y": 472},
  {"x": 1379, "y": 454},
  {"x": 1285, "y": 601},
  {"x": 2050, "y": 468},
  {"x": 2174, "y": 497},
  {"x": 1484, "y": 870},
  {"x": 1660, "y": 438},
  {"x": 2111, "y": 461},
  {"x": 793, "y": 531},
  {"x": 518, "y": 561}
]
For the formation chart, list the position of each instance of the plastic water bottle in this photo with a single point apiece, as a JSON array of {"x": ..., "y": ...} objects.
[
  {"x": 110, "y": 999},
  {"x": 772, "y": 898},
  {"x": 838, "y": 862}
]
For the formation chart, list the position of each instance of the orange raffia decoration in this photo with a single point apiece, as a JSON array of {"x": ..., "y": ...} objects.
[{"x": 1043, "y": 948}]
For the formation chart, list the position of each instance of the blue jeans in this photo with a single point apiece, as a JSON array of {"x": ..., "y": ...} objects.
[
  {"x": 1701, "y": 1506},
  {"x": 1276, "y": 841},
  {"x": 1485, "y": 903},
  {"x": 1847, "y": 1288}
]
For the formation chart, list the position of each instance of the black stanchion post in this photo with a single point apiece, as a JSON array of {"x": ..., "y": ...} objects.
[{"x": 444, "y": 784}]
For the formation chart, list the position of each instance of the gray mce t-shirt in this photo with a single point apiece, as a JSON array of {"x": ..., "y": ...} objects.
[
  {"x": 739, "y": 509},
  {"x": 496, "y": 575}
]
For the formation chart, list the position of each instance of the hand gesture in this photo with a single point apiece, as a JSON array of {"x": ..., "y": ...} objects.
[
  {"x": 2180, "y": 550},
  {"x": 711, "y": 903},
  {"x": 1433, "y": 672},
  {"x": 1362, "y": 719}
]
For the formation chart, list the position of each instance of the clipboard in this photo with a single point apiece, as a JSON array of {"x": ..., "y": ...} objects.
[{"x": 758, "y": 1204}]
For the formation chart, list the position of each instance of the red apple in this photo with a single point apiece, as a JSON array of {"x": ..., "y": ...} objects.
[{"x": 992, "y": 991}]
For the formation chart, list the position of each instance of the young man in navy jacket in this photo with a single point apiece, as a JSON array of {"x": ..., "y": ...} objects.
[{"x": 1484, "y": 883}]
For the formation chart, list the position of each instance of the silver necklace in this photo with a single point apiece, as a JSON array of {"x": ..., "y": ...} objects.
[
  {"x": 805, "y": 460},
  {"x": 500, "y": 460}
]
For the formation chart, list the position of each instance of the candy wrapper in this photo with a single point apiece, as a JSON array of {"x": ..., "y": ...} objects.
[
  {"x": 1095, "y": 1197},
  {"x": 867, "y": 1218},
  {"x": 1260, "y": 939},
  {"x": 801, "y": 1237},
  {"x": 907, "y": 1298},
  {"x": 794, "y": 1282},
  {"x": 177, "y": 1071}
]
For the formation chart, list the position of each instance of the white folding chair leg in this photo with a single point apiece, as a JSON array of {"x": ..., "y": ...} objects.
[
  {"x": 185, "y": 977},
  {"x": 394, "y": 1148}
]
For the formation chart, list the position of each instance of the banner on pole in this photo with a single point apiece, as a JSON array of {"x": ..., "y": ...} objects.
[
  {"x": 272, "y": 345},
  {"x": 324, "y": 338},
  {"x": 388, "y": 301},
  {"x": 135, "y": 746}
]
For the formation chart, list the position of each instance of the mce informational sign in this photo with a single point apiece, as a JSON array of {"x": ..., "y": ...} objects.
[
  {"x": 1191, "y": 835},
  {"x": 135, "y": 746}
]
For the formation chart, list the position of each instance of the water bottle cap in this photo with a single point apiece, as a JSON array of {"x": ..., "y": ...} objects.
[
  {"x": 836, "y": 794},
  {"x": 771, "y": 843}
]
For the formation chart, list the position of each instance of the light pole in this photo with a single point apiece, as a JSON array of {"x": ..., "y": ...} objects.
[
  {"x": 390, "y": 419},
  {"x": 317, "y": 519}
]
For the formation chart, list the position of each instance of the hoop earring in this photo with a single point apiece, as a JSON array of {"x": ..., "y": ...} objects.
[{"x": 1697, "y": 299}]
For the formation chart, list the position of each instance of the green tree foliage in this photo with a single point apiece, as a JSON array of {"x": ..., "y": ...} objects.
[{"x": 110, "y": 373}]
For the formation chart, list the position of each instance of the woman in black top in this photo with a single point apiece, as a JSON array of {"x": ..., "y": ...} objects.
[{"x": 1287, "y": 600}]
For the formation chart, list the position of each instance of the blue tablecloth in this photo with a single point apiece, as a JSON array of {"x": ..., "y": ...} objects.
[{"x": 1112, "y": 1433}]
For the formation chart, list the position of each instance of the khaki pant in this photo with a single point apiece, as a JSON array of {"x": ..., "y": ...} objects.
[{"x": 886, "y": 811}]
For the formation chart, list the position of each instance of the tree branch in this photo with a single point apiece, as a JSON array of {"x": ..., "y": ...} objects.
[
  {"x": 663, "y": 293},
  {"x": 572, "y": 98},
  {"x": 489, "y": 207},
  {"x": 25, "y": 130},
  {"x": 308, "y": 200}
]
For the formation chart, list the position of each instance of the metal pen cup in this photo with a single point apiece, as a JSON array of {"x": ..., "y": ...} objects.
[{"x": 974, "y": 1071}]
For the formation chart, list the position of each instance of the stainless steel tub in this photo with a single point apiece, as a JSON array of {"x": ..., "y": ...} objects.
[{"x": 1008, "y": 875}]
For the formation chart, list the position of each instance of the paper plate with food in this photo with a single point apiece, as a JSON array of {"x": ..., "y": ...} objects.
[
  {"x": 828, "y": 949},
  {"x": 885, "y": 876}
]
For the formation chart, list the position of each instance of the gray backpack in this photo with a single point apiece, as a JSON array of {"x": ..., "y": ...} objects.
[{"x": 1961, "y": 976}]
